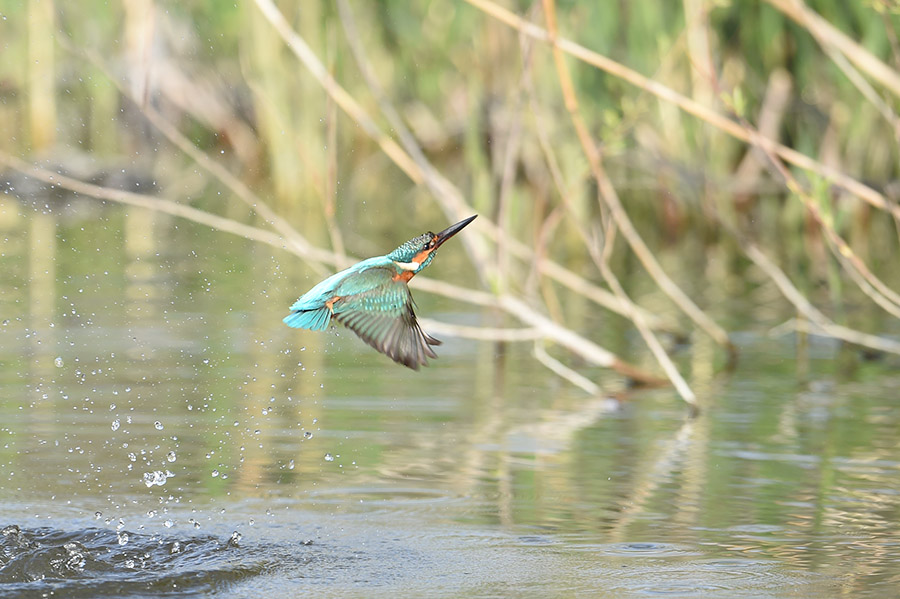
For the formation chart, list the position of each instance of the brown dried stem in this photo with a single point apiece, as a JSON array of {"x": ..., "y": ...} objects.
[
  {"x": 563, "y": 371},
  {"x": 874, "y": 287},
  {"x": 828, "y": 34},
  {"x": 822, "y": 322},
  {"x": 609, "y": 197},
  {"x": 690, "y": 106},
  {"x": 237, "y": 187},
  {"x": 160, "y": 204},
  {"x": 586, "y": 349},
  {"x": 451, "y": 198}
]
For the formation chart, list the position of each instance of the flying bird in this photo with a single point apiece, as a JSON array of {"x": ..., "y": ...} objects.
[{"x": 373, "y": 300}]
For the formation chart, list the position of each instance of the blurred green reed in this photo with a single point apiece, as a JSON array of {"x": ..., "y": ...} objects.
[{"x": 456, "y": 76}]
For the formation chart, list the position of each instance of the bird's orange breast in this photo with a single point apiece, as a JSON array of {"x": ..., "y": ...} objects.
[{"x": 404, "y": 275}]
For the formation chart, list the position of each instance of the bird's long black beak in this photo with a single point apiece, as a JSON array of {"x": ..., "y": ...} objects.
[{"x": 451, "y": 231}]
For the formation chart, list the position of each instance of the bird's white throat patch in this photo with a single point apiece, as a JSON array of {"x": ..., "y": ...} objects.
[{"x": 407, "y": 265}]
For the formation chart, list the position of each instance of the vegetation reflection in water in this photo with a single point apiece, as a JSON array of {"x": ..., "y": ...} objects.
[{"x": 120, "y": 372}]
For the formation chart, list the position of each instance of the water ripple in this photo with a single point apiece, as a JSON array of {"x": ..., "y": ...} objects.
[{"x": 95, "y": 562}]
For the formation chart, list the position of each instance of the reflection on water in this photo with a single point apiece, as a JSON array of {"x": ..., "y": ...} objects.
[{"x": 148, "y": 389}]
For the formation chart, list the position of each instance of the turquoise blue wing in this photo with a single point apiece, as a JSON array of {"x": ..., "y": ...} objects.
[
  {"x": 312, "y": 310},
  {"x": 380, "y": 311},
  {"x": 314, "y": 320}
]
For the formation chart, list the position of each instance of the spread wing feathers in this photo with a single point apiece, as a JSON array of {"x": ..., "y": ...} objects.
[
  {"x": 314, "y": 320},
  {"x": 384, "y": 318}
]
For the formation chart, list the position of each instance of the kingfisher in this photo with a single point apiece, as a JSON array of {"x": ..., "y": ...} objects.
[{"x": 373, "y": 300}]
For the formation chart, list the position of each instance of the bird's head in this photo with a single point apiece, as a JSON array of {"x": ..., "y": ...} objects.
[{"x": 418, "y": 252}]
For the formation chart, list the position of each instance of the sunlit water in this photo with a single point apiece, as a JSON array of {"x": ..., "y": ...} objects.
[{"x": 163, "y": 433}]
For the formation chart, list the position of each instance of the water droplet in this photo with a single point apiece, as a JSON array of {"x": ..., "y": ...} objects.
[
  {"x": 98, "y": 515},
  {"x": 291, "y": 465},
  {"x": 58, "y": 362},
  {"x": 329, "y": 457},
  {"x": 156, "y": 478},
  {"x": 235, "y": 539},
  {"x": 215, "y": 473},
  {"x": 169, "y": 524},
  {"x": 308, "y": 435},
  {"x": 158, "y": 425},
  {"x": 171, "y": 456},
  {"x": 123, "y": 537},
  {"x": 176, "y": 546},
  {"x": 115, "y": 424}
]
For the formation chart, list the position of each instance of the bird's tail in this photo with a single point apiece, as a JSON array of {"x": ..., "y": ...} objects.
[{"x": 314, "y": 320}]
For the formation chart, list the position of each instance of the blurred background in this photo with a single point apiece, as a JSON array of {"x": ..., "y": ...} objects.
[{"x": 671, "y": 343}]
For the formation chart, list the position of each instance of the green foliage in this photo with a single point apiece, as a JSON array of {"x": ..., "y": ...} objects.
[{"x": 458, "y": 78}]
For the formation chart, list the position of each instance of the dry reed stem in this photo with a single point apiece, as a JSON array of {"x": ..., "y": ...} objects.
[
  {"x": 237, "y": 187},
  {"x": 863, "y": 283},
  {"x": 328, "y": 83},
  {"x": 636, "y": 314},
  {"x": 647, "y": 335},
  {"x": 628, "y": 307},
  {"x": 586, "y": 349},
  {"x": 147, "y": 42},
  {"x": 508, "y": 173},
  {"x": 160, "y": 204},
  {"x": 574, "y": 342},
  {"x": 827, "y": 34},
  {"x": 563, "y": 371},
  {"x": 441, "y": 186},
  {"x": 771, "y": 115},
  {"x": 698, "y": 49},
  {"x": 452, "y": 200},
  {"x": 875, "y": 287},
  {"x": 609, "y": 197},
  {"x": 864, "y": 87},
  {"x": 448, "y": 196},
  {"x": 825, "y": 325},
  {"x": 690, "y": 106},
  {"x": 835, "y": 44},
  {"x": 892, "y": 37},
  {"x": 479, "y": 333}
]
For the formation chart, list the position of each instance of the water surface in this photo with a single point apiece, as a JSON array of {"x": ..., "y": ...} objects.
[{"x": 163, "y": 433}]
